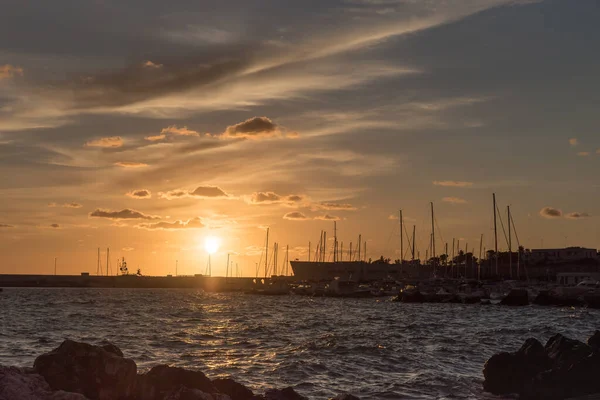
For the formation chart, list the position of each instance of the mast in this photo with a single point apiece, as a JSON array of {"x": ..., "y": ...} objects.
[
  {"x": 308, "y": 251},
  {"x": 176, "y": 265},
  {"x": 413, "y": 243},
  {"x": 479, "y": 266},
  {"x": 466, "y": 252},
  {"x": 287, "y": 259},
  {"x": 365, "y": 253},
  {"x": 324, "y": 254},
  {"x": 432, "y": 234},
  {"x": 452, "y": 267},
  {"x": 509, "y": 244},
  {"x": 350, "y": 252},
  {"x": 334, "y": 241},
  {"x": 227, "y": 267},
  {"x": 342, "y": 252},
  {"x": 267, "y": 254},
  {"x": 107, "y": 259},
  {"x": 401, "y": 240},
  {"x": 495, "y": 234},
  {"x": 359, "y": 246},
  {"x": 457, "y": 257},
  {"x": 55, "y": 258}
]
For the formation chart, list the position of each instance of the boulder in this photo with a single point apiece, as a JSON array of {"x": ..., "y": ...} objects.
[
  {"x": 184, "y": 393},
  {"x": 89, "y": 370},
  {"x": 16, "y": 383},
  {"x": 283, "y": 394},
  {"x": 345, "y": 397},
  {"x": 233, "y": 389},
  {"x": 564, "y": 352},
  {"x": 111, "y": 348},
  {"x": 516, "y": 297},
  {"x": 594, "y": 341},
  {"x": 511, "y": 372},
  {"x": 412, "y": 297},
  {"x": 162, "y": 380}
]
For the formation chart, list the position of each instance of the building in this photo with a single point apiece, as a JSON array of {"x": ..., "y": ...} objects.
[{"x": 569, "y": 254}]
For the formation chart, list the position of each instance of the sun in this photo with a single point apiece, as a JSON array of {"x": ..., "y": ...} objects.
[{"x": 212, "y": 244}]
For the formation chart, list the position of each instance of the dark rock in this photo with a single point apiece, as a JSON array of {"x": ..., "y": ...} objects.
[
  {"x": 16, "y": 383},
  {"x": 89, "y": 370},
  {"x": 592, "y": 300},
  {"x": 111, "y": 348},
  {"x": 345, "y": 397},
  {"x": 162, "y": 380},
  {"x": 516, "y": 297},
  {"x": 184, "y": 393},
  {"x": 412, "y": 297},
  {"x": 594, "y": 341},
  {"x": 283, "y": 394},
  {"x": 564, "y": 352},
  {"x": 545, "y": 298},
  {"x": 233, "y": 389},
  {"x": 486, "y": 302},
  {"x": 511, "y": 372}
]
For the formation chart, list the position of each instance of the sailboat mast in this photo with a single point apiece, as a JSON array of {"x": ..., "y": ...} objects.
[
  {"x": 432, "y": 234},
  {"x": 267, "y": 254},
  {"x": 324, "y": 255},
  {"x": 495, "y": 233},
  {"x": 413, "y": 243},
  {"x": 98, "y": 268},
  {"x": 227, "y": 267},
  {"x": 359, "y": 246},
  {"x": 309, "y": 251},
  {"x": 509, "y": 243},
  {"x": 452, "y": 261},
  {"x": 479, "y": 266},
  {"x": 107, "y": 255},
  {"x": 401, "y": 240},
  {"x": 334, "y": 241}
]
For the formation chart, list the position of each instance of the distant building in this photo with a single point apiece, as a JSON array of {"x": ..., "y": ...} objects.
[{"x": 569, "y": 254}]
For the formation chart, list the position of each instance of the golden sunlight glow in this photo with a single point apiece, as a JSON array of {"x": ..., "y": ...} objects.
[{"x": 212, "y": 244}]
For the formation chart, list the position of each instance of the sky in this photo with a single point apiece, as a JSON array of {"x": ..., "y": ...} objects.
[{"x": 147, "y": 127}]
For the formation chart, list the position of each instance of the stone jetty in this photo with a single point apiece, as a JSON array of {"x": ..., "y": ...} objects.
[
  {"x": 81, "y": 371},
  {"x": 563, "y": 368}
]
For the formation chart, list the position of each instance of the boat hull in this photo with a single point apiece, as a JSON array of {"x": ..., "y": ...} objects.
[{"x": 347, "y": 270}]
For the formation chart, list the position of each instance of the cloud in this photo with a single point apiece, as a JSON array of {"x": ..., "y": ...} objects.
[
  {"x": 334, "y": 206},
  {"x": 173, "y": 130},
  {"x": 123, "y": 214},
  {"x": 9, "y": 71},
  {"x": 55, "y": 226},
  {"x": 106, "y": 142},
  {"x": 194, "y": 223},
  {"x": 128, "y": 249},
  {"x": 583, "y": 153},
  {"x": 577, "y": 215},
  {"x": 295, "y": 216},
  {"x": 257, "y": 198},
  {"x": 573, "y": 142},
  {"x": 460, "y": 184},
  {"x": 212, "y": 192},
  {"x": 257, "y": 127},
  {"x": 65, "y": 205},
  {"x": 139, "y": 194},
  {"x": 327, "y": 217},
  {"x": 155, "y": 138},
  {"x": 454, "y": 200},
  {"x": 549, "y": 212},
  {"x": 6, "y": 226},
  {"x": 130, "y": 164},
  {"x": 150, "y": 64}
]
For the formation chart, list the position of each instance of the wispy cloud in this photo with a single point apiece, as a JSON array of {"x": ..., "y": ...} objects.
[
  {"x": 6, "y": 226},
  {"x": 65, "y": 205},
  {"x": 258, "y": 198},
  {"x": 460, "y": 184},
  {"x": 130, "y": 164},
  {"x": 140, "y": 194},
  {"x": 333, "y": 206},
  {"x": 122, "y": 214},
  {"x": 295, "y": 216},
  {"x": 256, "y": 128},
  {"x": 128, "y": 249},
  {"x": 573, "y": 142},
  {"x": 577, "y": 215},
  {"x": 194, "y": 223},
  {"x": 454, "y": 200},
  {"x": 213, "y": 192},
  {"x": 327, "y": 217},
  {"x": 54, "y": 226},
  {"x": 9, "y": 71},
  {"x": 106, "y": 142},
  {"x": 550, "y": 212}
]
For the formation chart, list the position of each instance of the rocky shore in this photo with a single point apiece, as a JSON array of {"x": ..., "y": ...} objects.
[
  {"x": 564, "y": 368},
  {"x": 80, "y": 371}
]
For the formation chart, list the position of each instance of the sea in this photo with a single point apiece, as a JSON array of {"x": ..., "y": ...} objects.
[{"x": 372, "y": 348}]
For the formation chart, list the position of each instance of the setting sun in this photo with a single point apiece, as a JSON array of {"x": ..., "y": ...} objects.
[{"x": 212, "y": 244}]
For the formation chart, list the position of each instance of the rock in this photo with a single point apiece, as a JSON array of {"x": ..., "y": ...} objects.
[
  {"x": 89, "y": 370},
  {"x": 564, "y": 352},
  {"x": 511, "y": 372},
  {"x": 162, "y": 380},
  {"x": 345, "y": 397},
  {"x": 233, "y": 389},
  {"x": 594, "y": 341},
  {"x": 485, "y": 302},
  {"x": 283, "y": 394},
  {"x": 15, "y": 383},
  {"x": 516, "y": 297},
  {"x": 111, "y": 348},
  {"x": 184, "y": 393},
  {"x": 412, "y": 297}
]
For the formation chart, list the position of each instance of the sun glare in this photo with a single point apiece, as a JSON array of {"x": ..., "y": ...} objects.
[{"x": 212, "y": 244}]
